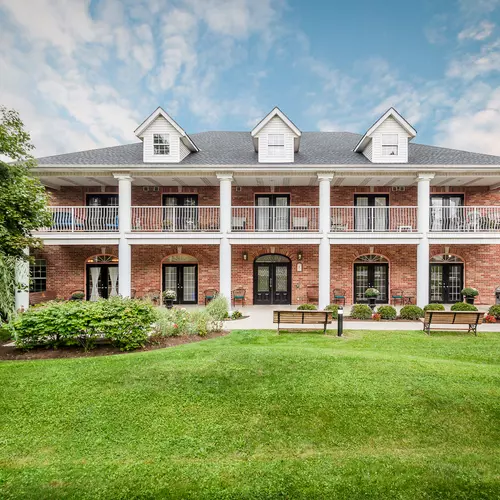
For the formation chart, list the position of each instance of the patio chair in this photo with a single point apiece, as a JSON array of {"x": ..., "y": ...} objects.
[
  {"x": 312, "y": 293},
  {"x": 338, "y": 224},
  {"x": 239, "y": 294},
  {"x": 210, "y": 294},
  {"x": 300, "y": 223},
  {"x": 339, "y": 295},
  {"x": 239, "y": 223},
  {"x": 397, "y": 294},
  {"x": 64, "y": 221}
]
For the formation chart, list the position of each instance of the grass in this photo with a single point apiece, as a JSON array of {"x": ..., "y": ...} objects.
[{"x": 389, "y": 415}]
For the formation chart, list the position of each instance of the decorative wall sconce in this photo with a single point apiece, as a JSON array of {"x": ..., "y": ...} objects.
[
  {"x": 299, "y": 267},
  {"x": 245, "y": 256},
  {"x": 299, "y": 255}
]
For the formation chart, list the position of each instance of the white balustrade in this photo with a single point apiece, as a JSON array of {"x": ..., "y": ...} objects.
[
  {"x": 464, "y": 219},
  {"x": 175, "y": 219},
  {"x": 83, "y": 219},
  {"x": 373, "y": 219},
  {"x": 275, "y": 219}
]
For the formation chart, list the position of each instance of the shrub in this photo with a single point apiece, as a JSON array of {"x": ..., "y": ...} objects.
[
  {"x": 172, "y": 322},
  {"x": 125, "y": 322},
  {"x": 361, "y": 311},
  {"x": 371, "y": 293},
  {"x": 334, "y": 308},
  {"x": 463, "y": 306},
  {"x": 434, "y": 307},
  {"x": 307, "y": 307},
  {"x": 494, "y": 311},
  {"x": 201, "y": 323},
  {"x": 387, "y": 312},
  {"x": 218, "y": 308},
  {"x": 411, "y": 312},
  {"x": 77, "y": 296},
  {"x": 376, "y": 317},
  {"x": 469, "y": 291},
  {"x": 490, "y": 319},
  {"x": 236, "y": 315}
]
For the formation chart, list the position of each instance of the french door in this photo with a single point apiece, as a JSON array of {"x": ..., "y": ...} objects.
[
  {"x": 371, "y": 276},
  {"x": 104, "y": 214},
  {"x": 180, "y": 212},
  {"x": 183, "y": 280},
  {"x": 446, "y": 283},
  {"x": 446, "y": 214},
  {"x": 272, "y": 212},
  {"x": 272, "y": 283},
  {"x": 371, "y": 213},
  {"x": 102, "y": 281}
]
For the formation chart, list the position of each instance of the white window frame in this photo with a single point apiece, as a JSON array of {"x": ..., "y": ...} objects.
[
  {"x": 390, "y": 145},
  {"x": 38, "y": 276},
  {"x": 161, "y": 144},
  {"x": 276, "y": 145}
]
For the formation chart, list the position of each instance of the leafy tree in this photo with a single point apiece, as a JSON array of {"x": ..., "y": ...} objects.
[{"x": 22, "y": 197}]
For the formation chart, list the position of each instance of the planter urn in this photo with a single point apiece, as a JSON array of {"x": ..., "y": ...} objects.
[
  {"x": 169, "y": 303},
  {"x": 371, "y": 302},
  {"x": 469, "y": 300}
]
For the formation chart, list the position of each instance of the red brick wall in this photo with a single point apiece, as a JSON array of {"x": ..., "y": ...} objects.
[
  {"x": 299, "y": 196},
  {"x": 344, "y": 196},
  {"x": 242, "y": 271},
  {"x": 74, "y": 196},
  {"x": 208, "y": 196}
]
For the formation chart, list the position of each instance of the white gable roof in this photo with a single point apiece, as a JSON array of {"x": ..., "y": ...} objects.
[
  {"x": 276, "y": 112},
  {"x": 141, "y": 129},
  {"x": 391, "y": 112}
]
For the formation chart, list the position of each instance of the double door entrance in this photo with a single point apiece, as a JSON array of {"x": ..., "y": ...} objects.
[
  {"x": 102, "y": 281},
  {"x": 371, "y": 276},
  {"x": 446, "y": 283},
  {"x": 183, "y": 280},
  {"x": 272, "y": 280}
]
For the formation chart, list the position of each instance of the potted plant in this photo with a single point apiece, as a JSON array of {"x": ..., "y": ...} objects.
[
  {"x": 371, "y": 294},
  {"x": 168, "y": 298},
  {"x": 77, "y": 296},
  {"x": 470, "y": 294}
]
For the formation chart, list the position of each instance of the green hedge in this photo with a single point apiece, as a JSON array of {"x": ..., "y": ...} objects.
[
  {"x": 361, "y": 311},
  {"x": 494, "y": 311},
  {"x": 387, "y": 312},
  {"x": 411, "y": 312},
  {"x": 126, "y": 323},
  {"x": 463, "y": 306},
  {"x": 434, "y": 307},
  {"x": 307, "y": 307},
  {"x": 334, "y": 309}
]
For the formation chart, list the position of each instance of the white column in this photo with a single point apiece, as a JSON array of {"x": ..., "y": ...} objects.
[
  {"x": 225, "y": 181},
  {"x": 22, "y": 275},
  {"x": 324, "y": 246},
  {"x": 423, "y": 212},
  {"x": 125, "y": 226}
]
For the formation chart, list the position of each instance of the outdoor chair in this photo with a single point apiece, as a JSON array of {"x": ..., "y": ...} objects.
[
  {"x": 64, "y": 221},
  {"x": 339, "y": 296},
  {"x": 396, "y": 295},
  {"x": 210, "y": 294},
  {"x": 300, "y": 223},
  {"x": 239, "y": 294},
  {"x": 312, "y": 293},
  {"x": 239, "y": 223}
]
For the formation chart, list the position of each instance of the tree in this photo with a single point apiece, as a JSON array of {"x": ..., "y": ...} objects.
[{"x": 23, "y": 199}]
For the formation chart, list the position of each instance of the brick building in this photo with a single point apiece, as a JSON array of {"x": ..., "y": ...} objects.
[{"x": 285, "y": 215}]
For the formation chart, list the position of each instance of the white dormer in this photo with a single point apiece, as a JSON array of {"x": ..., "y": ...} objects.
[
  {"x": 276, "y": 138},
  {"x": 387, "y": 140},
  {"x": 164, "y": 141}
]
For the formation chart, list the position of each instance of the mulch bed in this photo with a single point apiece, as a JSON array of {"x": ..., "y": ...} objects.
[{"x": 13, "y": 354}]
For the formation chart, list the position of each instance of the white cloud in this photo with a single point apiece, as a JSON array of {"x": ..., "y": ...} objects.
[
  {"x": 480, "y": 32},
  {"x": 471, "y": 66}
]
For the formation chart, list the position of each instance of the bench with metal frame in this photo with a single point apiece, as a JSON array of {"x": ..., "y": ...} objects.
[
  {"x": 471, "y": 319},
  {"x": 303, "y": 318}
]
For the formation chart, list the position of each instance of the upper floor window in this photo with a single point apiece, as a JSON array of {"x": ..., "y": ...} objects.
[
  {"x": 276, "y": 144},
  {"x": 38, "y": 275},
  {"x": 161, "y": 144},
  {"x": 390, "y": 145}
]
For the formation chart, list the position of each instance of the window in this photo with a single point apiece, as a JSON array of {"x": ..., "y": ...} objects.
[
  {"x": 38, "y": 275},
  {"x": 390, "y": 145},
  {"x": 161, "y": 144},
  {"x": 276, "y": 144}
]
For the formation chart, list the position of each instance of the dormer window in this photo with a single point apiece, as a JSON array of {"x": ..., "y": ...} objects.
[
  {"x": 276, "y": 144},
  {"x": 161, "y": 144},
  {"x": 390, "y": 145}
]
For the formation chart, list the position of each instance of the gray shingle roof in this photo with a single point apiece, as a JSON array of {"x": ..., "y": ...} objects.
[{"x": 236, "y": 148}]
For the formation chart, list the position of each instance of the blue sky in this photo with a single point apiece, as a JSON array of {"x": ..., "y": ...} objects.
[{"x": 84, "y": 74}]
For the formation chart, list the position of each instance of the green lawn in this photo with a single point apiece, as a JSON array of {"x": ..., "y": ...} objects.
[{"x": 253, "y": 415}]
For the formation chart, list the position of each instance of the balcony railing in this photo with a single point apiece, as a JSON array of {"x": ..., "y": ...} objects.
[
  {"x": 465, "y": 219},
  {"x": 374, "y": 219},
  {"x": 275, "y": 219},
  {"x": 175, "y": 219},
  {"x": 83, "y": 219}
]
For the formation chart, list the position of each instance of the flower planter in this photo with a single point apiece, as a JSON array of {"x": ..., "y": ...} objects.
[
  {"x": 469, "y": 300},
  {"x": 371, "y": 302},
  {"x": 169, "y": 303}
]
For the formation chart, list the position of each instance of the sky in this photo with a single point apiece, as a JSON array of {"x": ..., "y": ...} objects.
[{"x": 85, "y": 73}]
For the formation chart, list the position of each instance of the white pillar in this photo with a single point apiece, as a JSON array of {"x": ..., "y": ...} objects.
[
  {"x": 22, "y": 275},
  {"x": 125, "y": 226},
  {"x": 225, "y": 181},
  {"x": 423, "y": 212},
  {"x": 324, "y": 246}
]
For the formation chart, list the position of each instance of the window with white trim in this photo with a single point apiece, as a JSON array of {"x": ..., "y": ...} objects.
[
  {"x": 390, "y": 145},
  {"x": 276, "y": 144},
  {"x": 161, "y": 144},
  {"x": 38, "y": 275}
]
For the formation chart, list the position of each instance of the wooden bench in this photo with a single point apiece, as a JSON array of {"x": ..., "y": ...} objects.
[
  {"x": 472, "y": 319},
  {"x": 303, "y": 318}
]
